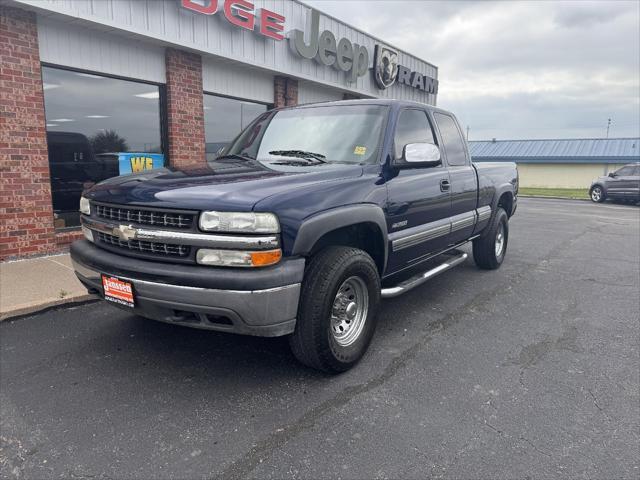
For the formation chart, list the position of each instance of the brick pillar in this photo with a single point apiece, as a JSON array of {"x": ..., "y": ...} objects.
[
  {"x": 26, "y": 213},
  {"x": 185, "y": 110},
  {"x": 285, "y": 92}
]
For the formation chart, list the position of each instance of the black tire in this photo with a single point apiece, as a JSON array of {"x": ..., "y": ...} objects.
[
  {"x": 484, "y": 247},
  {"x": 597, "y": 194},
  {"x": 313, "y": 342}
]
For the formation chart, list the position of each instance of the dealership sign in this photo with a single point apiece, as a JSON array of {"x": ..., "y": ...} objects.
[
  {"x": 387, "y": 71},
  {"x": 341, "y": 54},
  {"x": 323, "y": 47},
  {"x": 243, "y": 14}
]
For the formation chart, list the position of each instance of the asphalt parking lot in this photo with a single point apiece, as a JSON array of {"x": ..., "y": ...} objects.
[{"x": 528, "y": 371}]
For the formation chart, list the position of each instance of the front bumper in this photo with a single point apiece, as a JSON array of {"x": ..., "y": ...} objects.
[{"x": 262, "y": 302}]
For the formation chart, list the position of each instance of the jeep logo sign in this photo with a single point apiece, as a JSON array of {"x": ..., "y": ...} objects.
[{"x": 340, "y": 54}]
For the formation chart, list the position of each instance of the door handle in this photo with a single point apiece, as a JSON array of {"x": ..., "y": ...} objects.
[{"x": 444, "y": 185}]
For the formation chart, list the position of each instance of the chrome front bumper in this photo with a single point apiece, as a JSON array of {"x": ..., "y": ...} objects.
[{"x": 268, "y": 313}]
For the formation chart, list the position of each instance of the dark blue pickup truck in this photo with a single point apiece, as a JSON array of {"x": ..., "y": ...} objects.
[{"x": 300, "y": 226}]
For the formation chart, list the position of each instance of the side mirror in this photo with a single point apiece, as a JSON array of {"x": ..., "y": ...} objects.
[
  {"x": 420, "y": 155},
  {"x": 612, "y": 174}
]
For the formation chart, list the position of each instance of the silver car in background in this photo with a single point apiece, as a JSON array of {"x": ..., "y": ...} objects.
[{"x": 622, "y": 185}]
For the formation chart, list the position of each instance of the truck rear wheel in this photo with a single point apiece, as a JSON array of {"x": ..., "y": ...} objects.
[
  {"x": 337, "y": 312},
  {"x": 491, "y": 247}
]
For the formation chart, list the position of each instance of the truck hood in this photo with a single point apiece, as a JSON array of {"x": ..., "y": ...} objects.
[{"x": 231, "y": 185}]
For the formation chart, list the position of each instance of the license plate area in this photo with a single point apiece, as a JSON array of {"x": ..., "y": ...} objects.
[{"x": 118, "y": 291}]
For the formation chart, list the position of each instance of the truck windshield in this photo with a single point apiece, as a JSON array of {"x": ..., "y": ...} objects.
[{"x": 313, "y": 136}]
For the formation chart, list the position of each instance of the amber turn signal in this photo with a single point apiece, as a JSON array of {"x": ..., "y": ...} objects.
[
  {"x": 236, "y": 258},
  {"x": 264, "y": 259}
]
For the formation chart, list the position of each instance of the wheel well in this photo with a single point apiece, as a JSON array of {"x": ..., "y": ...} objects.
[
  {"x": 506, "y": 202},
  {"x": 596, "y": 185},
  {"x": 365, "y": 236}
]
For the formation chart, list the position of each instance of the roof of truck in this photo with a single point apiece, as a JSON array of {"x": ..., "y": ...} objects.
[{"x": 373, "y": 101}]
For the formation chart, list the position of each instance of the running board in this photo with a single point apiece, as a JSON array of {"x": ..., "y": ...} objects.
[{"x": 418, "y": 280}]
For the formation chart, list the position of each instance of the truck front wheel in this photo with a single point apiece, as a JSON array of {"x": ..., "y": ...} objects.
[
  {"x": 491, "y": 247},
  {"x": 338, "y": 307}
]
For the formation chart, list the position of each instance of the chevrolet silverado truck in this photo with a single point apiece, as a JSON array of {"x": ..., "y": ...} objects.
[{"x": 300, "y": 226}]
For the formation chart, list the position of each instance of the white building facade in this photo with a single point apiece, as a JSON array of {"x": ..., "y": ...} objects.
[{"x": 97, "y": 84}]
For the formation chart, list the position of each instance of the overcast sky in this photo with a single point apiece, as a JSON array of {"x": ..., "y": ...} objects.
[{"x": 545, "y": 69}]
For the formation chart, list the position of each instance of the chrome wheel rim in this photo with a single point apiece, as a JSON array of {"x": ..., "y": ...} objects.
[
  {"x": 349, "y": 311},
  {"x": 596, "y": 194},
  {"x": 500, "y": 240}
]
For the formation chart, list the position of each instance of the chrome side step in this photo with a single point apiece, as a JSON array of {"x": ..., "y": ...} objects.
[{"x": 419, "y": 279}]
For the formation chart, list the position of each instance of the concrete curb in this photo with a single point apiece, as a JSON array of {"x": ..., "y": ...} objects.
[
  {"x": 34, "y": 308},
  {"x": 554, "y": 198}
]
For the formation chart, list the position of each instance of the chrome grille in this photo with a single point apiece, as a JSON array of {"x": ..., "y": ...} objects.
[
  {"x": 154, "y": 248},
  {"x": 145, "y": 217}
]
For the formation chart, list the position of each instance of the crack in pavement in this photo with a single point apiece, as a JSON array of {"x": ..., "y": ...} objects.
[
  {"x": 262, "y": 450},
  {"x": 508, "y": 436}
]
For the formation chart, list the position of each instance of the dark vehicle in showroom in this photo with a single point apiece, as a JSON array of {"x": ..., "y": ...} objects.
[
  {"x": 72, "y": 164},
  {"x": 622, "y": 185},
  {"x": 300, "y": 226}
]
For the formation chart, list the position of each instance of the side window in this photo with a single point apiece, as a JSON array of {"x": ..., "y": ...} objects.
[
  {"x": 625, "y": 171},
  {"x": 637, "y": 171},
  {"x": 413, "y": 127},
  {"x": 451, "y": 139}
]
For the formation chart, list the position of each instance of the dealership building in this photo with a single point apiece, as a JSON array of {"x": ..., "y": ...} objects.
[{"x": 90, "y": 89}]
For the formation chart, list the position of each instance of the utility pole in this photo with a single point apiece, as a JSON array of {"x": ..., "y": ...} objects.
[
  {"x": 467, "y": 133},
  {"x": 608, "y": 126}
]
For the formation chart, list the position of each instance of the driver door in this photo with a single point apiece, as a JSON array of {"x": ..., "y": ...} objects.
[{"x": 419, "y": 199}]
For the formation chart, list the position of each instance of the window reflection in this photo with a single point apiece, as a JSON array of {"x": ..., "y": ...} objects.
[
  {"x": 91, "y": 121},
  {"x": 224, "y": 118}
]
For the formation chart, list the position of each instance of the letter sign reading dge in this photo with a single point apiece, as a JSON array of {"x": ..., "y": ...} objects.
[{"x": 241, "y": 13}]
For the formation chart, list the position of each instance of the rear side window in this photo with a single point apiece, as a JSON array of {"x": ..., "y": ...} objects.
[
  {"x": 452, "y": 140},
  {"x": 413, "y": 127}
]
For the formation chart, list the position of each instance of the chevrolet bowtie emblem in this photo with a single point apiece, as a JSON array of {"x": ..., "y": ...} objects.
[{"x": 124, "y": 232}]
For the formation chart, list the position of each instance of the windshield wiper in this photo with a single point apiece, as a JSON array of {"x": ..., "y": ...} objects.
[
  {"x": 235, "y": 156},
  {"x": 317, "y": 157}
]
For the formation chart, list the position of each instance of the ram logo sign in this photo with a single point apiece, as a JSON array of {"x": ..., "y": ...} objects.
[
  {"x": 388, "y": 71},
  {"x": 385, "y": 66}
]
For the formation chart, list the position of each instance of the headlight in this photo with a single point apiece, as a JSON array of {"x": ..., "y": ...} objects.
[
  {"x": 239, "y": 222},
  {"x": 235, "y": 258},
  {"x": 85, "y": 206}
]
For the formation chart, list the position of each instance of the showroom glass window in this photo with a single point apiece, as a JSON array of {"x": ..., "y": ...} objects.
[
  {"x": 224, "y": 119},
  {"x": 90, "y": 120}
]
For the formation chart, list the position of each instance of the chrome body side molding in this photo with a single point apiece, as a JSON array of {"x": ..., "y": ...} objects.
[
  {"x": 423, "y": 233},
  {"x": 464, "y": 220},
  {"x": 429, "y": 231},
  {"x": 484, "y": 213}
]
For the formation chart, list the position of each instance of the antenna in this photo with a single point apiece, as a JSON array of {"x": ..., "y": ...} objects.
[
  {"x": 467, "y": 133},
  {"x": 608, "y": 126}
]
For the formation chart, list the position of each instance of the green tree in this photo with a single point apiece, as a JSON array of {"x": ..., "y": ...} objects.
[{"x": 108, "y": 141}]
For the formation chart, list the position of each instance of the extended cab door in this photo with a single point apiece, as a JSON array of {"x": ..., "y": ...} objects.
[
  {"x": 419, "y": 203},
  {"x": 463, "y": 177}
]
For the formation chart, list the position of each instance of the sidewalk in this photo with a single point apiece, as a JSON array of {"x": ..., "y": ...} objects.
[{"x": 27, "y": 286}]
